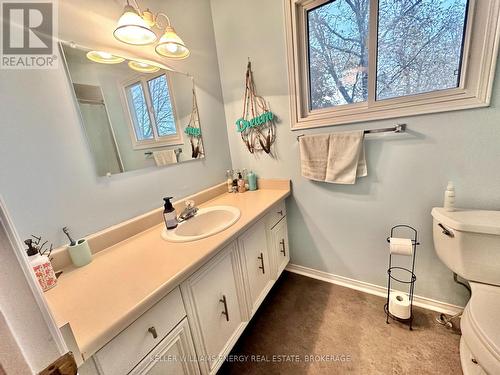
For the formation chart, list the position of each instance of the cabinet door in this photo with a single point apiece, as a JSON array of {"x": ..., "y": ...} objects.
[
  {"x": 213, "y": 297},
  {"x": 255, "y": 256},
  {"x": 174, "y": 355},
  {"x": 279, "y": 235}
]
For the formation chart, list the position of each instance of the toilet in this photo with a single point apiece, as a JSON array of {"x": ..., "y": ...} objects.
[{"x": 468, "y": 242}]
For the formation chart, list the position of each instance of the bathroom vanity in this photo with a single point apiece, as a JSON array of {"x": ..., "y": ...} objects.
[{"x": 146, "y": 305}]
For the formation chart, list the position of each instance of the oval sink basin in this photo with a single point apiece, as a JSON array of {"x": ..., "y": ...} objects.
[{"x": 207, "y": 222}]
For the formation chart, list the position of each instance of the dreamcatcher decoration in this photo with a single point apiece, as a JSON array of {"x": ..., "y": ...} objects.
[
  {"x": 257, "y": 126},
  {"x": 193, "y": 130}
]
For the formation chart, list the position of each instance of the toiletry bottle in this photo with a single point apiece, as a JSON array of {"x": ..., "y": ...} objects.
[
  {"x": 241, "y": 184},
  {"x": 229, "y": 181},
  {"x": 41, "y": 267},
  {"x": 449, "y": 197},
  {"x": 169, "y": 214},
  {"x": 245, "y": 177},
  {"x": 236, "y": 172},
  {"x": 252, "y": 181}
]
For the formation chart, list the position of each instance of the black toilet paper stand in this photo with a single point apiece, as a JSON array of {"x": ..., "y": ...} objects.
[{"x": 404, "y": 276}]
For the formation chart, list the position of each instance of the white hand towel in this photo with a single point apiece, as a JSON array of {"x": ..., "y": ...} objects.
[
  {"x": 335, "y": 158},
  {"x": 346, "y": 157},
  {"x": 314, "y": 156},
  {"x": 164, "y": 157}
]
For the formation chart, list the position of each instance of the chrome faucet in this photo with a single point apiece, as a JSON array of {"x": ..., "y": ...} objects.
[{"x": 189, "y": 212}]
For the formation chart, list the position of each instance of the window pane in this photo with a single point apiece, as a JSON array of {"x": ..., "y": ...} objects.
[
  {"x": 162, "y": 106},
  {"x": 420, "y": 45},
  {"x": 338, "y": 53},
  {"x": 139, "y": 112}
]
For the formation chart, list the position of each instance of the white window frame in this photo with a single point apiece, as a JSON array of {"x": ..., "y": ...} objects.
[
  {"x": 474, "y": 90},
  {"x": 156, "y": 141}
]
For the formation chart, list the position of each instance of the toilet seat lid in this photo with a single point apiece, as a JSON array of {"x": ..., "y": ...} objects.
[{"x": 484, "y": 313}]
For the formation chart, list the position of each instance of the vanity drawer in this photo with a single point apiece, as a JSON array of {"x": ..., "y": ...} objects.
[
  {"x": 276, "y": 213},
  {"x": 127, "y": 349}
]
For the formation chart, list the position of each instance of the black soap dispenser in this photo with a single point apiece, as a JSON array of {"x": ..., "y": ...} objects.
[{"x": 169, "y": 214}]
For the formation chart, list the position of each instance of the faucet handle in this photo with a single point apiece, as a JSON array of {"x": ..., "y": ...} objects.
[{"x": 189, "y": 204}]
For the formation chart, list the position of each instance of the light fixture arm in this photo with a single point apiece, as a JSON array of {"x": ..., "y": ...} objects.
[
  {"x": 135, "y": 5},
  {"x": 158, "y": 24}
]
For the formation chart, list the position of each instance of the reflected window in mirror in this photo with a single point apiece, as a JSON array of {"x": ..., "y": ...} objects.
[{"x": 151, "y": 111}]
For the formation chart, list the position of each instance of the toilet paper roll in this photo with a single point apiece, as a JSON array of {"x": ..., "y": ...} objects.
[
  {"x": 400, "y": 246},
  {"x": 399, "y": 305}
]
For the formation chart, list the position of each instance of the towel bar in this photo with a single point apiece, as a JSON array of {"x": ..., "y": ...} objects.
[{"x": 399, "y": 128}]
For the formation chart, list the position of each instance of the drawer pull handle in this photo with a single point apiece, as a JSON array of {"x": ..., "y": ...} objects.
[
  {"x": 280, "y": 212},
  {"x": 225, "y": 312},
  {"x": 446, "y": 231},
  {"x": 152, "y": 330},
  {"x": 282, "y": 243},
  {"x": 261, "y": 257}
]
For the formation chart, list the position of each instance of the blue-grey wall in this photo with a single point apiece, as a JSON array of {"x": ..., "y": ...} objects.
[
  {"x": 342, "y": 229},
  {"x": 47, "y": 175}
]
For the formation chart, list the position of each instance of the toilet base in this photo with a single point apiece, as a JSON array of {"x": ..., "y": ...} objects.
[{"x": 468, "y": 361}]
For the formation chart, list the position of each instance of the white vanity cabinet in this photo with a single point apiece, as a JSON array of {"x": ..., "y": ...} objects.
[
  {"x": 215, "y": 303},
  {"x": 279, "y": 246},
  {"x": 254, "y": 254},
  {"x": 174, "y": 355},
  {"x": 196, "y": 325},
  {"x": 277, "y": 238},
  {"x": 134, "y": 343}
]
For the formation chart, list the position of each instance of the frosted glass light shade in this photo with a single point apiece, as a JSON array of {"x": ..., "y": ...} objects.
[
  {"x": 171, "y": 45},
  {"x": 104, "y": 57},
  {"x": 143, "y": 67},
  {"x": 132, "y": 29}
]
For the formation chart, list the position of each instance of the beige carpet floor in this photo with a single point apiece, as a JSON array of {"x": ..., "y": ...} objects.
[{"x": 306, "y": 326}]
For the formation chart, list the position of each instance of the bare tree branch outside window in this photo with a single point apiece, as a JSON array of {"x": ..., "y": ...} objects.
[
  {"x": 140, "y": 115},
  {"x": 162, "y": 111},
  {"x": 162, "y": 106},
  {"x": 420, "y": 45}
]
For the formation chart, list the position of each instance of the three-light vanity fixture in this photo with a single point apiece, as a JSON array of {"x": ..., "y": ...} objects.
[{"x": 135, "y": 27}]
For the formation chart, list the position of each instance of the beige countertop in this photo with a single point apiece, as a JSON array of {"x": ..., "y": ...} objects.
[{"x": 123, "y": 281}]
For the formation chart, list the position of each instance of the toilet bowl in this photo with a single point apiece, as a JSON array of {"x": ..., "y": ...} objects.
[
  {"x": 468, "y": 242},
  {"x": 480, "y": 326}
]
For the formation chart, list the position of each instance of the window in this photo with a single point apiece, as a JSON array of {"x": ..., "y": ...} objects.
[
  {"x": 359, "y": 60},
  {"x": 419, "y": 46},
  {"x": 151, "y": 111},
  {"x": 338, "y": 54}
]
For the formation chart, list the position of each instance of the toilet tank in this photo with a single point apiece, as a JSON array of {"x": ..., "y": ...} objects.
[{"x": 468, "y": 242}]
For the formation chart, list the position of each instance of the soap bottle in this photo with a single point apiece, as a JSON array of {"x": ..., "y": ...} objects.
[
  {"x": 241, "y": 184},
  {"x": 41, "y": 266},
  {"x": 169, "y": 214},
  {"x": 229, "y": 181},
  {"x": 449, "y": 197}
]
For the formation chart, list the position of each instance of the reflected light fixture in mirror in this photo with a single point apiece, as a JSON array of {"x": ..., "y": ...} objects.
[
  {"x": 104, "y": 57},
  {"x": 143, "y": 67},
  {"x": 133, "y": 29}
]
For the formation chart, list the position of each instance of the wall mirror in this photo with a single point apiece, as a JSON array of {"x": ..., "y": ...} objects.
[{"x": 134, "y": 113}]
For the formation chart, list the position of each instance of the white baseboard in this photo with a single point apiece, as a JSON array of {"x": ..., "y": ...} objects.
[{"x": 424, "y": 302}]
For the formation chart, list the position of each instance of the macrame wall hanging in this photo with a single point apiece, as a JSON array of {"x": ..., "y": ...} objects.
[
  {"x": 193, "y": 130},
  {"x": 257, "y": 126}
]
